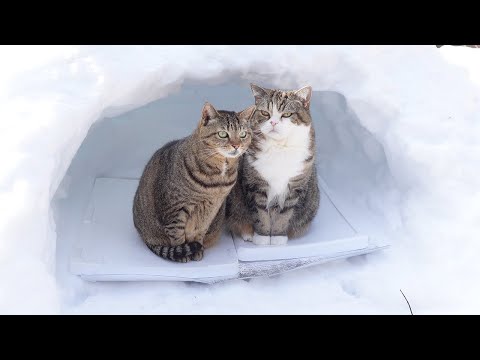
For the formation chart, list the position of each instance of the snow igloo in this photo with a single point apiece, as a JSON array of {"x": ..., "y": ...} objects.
[{"x": 103, "y": 110}]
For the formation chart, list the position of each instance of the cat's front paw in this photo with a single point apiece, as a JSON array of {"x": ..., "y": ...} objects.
[
  {"x": 199, "y": 238},
  {"x": 278, "y": 240},
  {"x": 183, "y": 259},
  {"x": 247, "y": 237},
  {"x": 261, "y": 239},
  {"x": 197, "y": 256}
]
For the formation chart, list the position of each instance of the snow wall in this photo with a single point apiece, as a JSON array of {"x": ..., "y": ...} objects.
[{"x": 397, "y": 131}]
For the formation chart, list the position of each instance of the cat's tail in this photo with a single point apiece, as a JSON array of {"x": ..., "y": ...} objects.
[{"x": 179, "y": 253}]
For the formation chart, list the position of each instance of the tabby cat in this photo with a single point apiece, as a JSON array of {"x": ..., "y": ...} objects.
[
  {"x": 276, "y": 196},
  {"x": 179, "y": 205}
]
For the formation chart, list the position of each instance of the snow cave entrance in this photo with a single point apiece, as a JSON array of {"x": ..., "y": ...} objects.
[{"x": 96, "y": 238}]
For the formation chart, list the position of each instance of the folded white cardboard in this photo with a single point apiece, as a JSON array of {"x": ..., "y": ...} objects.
[{"x": 108, "y": 247}]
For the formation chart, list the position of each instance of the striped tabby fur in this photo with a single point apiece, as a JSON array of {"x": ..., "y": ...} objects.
[
  {"x": 276, "y": 196},
  {"x": 179, "y": 206}
]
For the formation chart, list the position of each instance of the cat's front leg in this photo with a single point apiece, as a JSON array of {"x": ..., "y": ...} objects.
[
  {"x": 176, "y": 233},
  {"x": 194, "y": 234},
  {"x": 280, "y": 220},
  {"x": 215, "y": 229},
  {"x": 176, "y": 226},
  {"x": 262, "y": 227},
  {"x": 199, "y": 236}
]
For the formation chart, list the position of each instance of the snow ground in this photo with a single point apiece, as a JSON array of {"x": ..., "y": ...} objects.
[{"x": 407, "y": 135}]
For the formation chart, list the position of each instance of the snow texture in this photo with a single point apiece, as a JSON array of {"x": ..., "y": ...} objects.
[{"x": 398, "y": 138}]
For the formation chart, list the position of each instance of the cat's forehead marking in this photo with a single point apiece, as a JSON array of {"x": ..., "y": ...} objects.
[
  {"x": 284, "y": 101},
  {"x": 230, "y": 121},
  {"x": 279, "y": 100}
]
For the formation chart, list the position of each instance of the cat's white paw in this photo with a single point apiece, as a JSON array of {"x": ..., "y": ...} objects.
[
  {"x": 278, "y": 240},
  {"x": 247, "y": 237},
  {"x": 261, "y": 239}
]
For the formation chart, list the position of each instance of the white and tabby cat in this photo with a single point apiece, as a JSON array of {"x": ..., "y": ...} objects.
[{"x": 276, "y": 196}]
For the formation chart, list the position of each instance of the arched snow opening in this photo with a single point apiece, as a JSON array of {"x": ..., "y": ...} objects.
[
  {"x": 417, "y": 109},
  {"x": 351, "y": 162}
]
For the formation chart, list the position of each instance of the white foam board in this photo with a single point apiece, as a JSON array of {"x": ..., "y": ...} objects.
[
  {"x": 108, "y": 243},
  {"x": 329, "y": 234},
  {"x": 108, "y": 247}
]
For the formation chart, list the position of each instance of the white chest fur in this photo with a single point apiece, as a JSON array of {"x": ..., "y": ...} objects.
[{"x": 279, "y": 161}]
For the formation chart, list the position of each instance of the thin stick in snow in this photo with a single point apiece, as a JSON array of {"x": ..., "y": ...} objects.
[{"x": 407, "y": 302}]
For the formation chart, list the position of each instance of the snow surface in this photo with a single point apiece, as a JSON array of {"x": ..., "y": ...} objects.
[{"x": 401, "y": 127}]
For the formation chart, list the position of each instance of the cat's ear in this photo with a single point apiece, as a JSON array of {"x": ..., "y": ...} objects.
[
  {"x": 208, "y": 114},
  {"x": 258, "y": 92},
  {"x": 305, "y": 95},
  {"x": 246, "y": 115}
]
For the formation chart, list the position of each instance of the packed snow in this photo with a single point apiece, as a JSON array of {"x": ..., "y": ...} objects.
[{"x": 397, "y": 131}]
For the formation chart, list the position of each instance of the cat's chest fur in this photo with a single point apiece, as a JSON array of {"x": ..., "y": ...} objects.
[{"x": 279, "y": 161}]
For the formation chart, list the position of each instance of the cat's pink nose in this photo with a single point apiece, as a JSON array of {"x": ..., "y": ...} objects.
[
  {"x": 273, "y": 122},
  {"x": 236, "y": 146}
]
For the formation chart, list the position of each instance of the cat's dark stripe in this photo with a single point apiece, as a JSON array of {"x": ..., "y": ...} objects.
[
  {"x": 191, "y": 175},
  {"x": 231, "y": 172},
  {"x": 184, "y": 209},
  {"x": 205, "y": 168},
  {"x": 179, "y": 250},
  {"x": 176, "y": 221},
  {"x": 255, "y": 188},
  {"x": 212, "y": 169},
  {"x": 260, "y": 202},
  {"x": 204, "y": 184},
  {"x": 176, "y": 253},
  {"x": 212, "y": 134},
  {"x": 292, "y": 199},
  {"x": 284, "y": 209},
  {"x": 175, "y": 226}
]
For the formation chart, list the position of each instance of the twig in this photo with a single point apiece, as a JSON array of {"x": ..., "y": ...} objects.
[{"x": 407, "y": 302}]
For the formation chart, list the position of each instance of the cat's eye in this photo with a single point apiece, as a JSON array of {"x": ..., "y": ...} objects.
[
  {"x": 285, "y": 115},
  {"x": 265, "y": 113},
  {"x": 222, "y": 134},
  {"x": 243, "y": 134}
]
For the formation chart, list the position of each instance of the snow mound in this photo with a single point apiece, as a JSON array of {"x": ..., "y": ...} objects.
[{"x": 400, "y": 121}]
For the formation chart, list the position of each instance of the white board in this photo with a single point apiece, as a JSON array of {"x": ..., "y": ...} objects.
[
  {"x": 329, "y": 234},
  {"x": 108, "y": 247}
]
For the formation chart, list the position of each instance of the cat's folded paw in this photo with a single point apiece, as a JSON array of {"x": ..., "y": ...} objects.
[
  {"x": 197, "y": 256},
  {"x": 183, "y": 259},
  {"x": 278, "y": 240},
  {"x": 247, "y": 237},
  {"x": 261, "y": 239}
]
